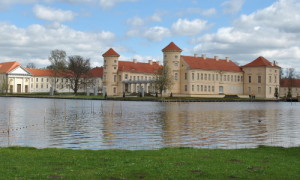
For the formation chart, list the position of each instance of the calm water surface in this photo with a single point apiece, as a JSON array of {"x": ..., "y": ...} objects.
[{"x": 90, "y": 124}]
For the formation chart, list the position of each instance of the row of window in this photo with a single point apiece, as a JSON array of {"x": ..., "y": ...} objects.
[
  {"x": 259, "y": 90},
  {"x": 211, "y": 77},
  {"x": 259, "y": 79},
  {"x": 200, "y": 88}
]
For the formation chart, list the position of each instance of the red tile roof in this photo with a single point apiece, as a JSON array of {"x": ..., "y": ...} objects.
[
  {"x": 138, "y": 67},
  {"x": 41, "y": 72},
  {"x": 8, "y": 66},
  {"x": 96, "y": 72},
  {"x": 260, "y": 61},
  {"x": 290, "y": 82},
  {"x": 210, "y": 64},
  {"x": 111, "y": 52},
  {"x": 171, "y": 47}
]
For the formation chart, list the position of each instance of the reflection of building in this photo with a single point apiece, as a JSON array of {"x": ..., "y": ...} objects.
[
  {"x": 293, "y": 84},
  {"x": 17, "y": 79},
  {"x": 192, "y": 75}
]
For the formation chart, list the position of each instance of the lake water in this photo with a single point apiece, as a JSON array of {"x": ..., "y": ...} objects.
[{"x": 95, "y": 124}]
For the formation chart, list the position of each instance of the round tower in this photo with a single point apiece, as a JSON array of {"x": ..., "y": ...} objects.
[
  {"x": 110, "y": 71},
  {"x": 172, "y": 58}
]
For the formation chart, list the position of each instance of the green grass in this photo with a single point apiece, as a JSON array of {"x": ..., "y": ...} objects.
[{"x": 167, "y": 163}]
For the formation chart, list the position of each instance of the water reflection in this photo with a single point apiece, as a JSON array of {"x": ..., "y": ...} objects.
[{"x": 86, "y": 124}]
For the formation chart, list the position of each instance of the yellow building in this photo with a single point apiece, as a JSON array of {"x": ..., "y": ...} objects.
[{"x": 191, "y": 75}]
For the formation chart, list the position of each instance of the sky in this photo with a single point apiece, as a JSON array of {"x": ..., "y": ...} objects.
[{"x": 139, "y": 29}]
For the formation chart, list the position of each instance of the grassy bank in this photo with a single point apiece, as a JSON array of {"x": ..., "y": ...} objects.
[{"x": 169, "y": 163}]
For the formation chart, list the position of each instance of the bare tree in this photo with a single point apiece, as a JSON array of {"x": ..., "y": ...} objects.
[
  {"x": 4, "y": 85},
  {"x": 163, "y": 80},
  {"x": 31, "y": 65},
  {"x": 58, "y": 62},
  {"x": 77, "y": 68},
  {"x": 290, "y": 75}
]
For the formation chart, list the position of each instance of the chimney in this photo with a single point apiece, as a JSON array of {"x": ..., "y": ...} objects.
[
  {"x": 195, "y": 55},
  {"x": 204, "y": 56},
  {"x": 217, "y": 58},
  {"x": 150, "y": 62},
  {"x": 134, "y": 60},
  {"x": 227, "y": 59}
]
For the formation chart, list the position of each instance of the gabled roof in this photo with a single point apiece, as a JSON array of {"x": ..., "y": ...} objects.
[
  {"x": 260, "y": 61},
  {"x": 290, "y": 83},
  {"x": 111, "y": 52},
  {"x": 138, "y": 67},
  {"x": 96, "y": 72},
  {"x": 41, "y": 72},
  {"x": 8, "y": 66},
  {"x": 210, "y": 64},
  {"x": 172, "y": 47}
]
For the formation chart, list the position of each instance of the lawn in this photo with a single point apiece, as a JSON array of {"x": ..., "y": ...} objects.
[{"x": 166, "y": 163}]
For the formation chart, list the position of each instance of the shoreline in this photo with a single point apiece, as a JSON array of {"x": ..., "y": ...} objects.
[{"x": 149, "y": 99}]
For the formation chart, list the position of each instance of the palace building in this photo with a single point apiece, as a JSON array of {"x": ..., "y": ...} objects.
[
  {"x": 197, "y": 76},
  {"x": 191, "y": 75}
]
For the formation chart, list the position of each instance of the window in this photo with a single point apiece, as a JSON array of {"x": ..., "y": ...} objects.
[
  {"x": 115, "y": 67},
  {"x": 231, "y": 78},
  {"x": 209, "y": 77},
  {"x": 62, "y": 86},
  {"x": 126, "y": 76},
  {"x": 185, "y": 76},
  {"x": 213, "y": 77},
  {"x": 270, "y": 90},
  {"x": 42, "y": 86},
  {"x": 224, "y": 77},
  {"x": 213, "y": 88},
  {"x": 249, "y": 79},
  {"x": 115, "y": 61},
  {"x": 201, "y": 87},
  {"x": 249, "y": 90},
  {"x": 37, "y": 79},
  {"x": 275, "y": 79},
  {"x": 259, "y": 79},
  {"x": 115, "y": 78},
  {"x": 205, "y": 88},
  {"x": 192, "y": 87},
  {"x": 185, "y": 87},
  {"x": 205, "y": 76},
  {"x": 198, "y": 88},
  {"x": 192, "y": 76},
  {"x": 208, "y": 88},
  {"x": 234, "y": 78},
  {"x": 175, "y": 76},
  {"x": 42, "y": 79},
  {"x": 120, "y": 78},
  {"x": 36, "y": 86},
  {"x": 175, "y": 63},
  {"x": 47, "y": 80},
  {"x": 198, "y": 76},
  {"x": 217, "y": 77},
  {"x": 259, "y": 89},
  {"x": 176, "y": 56},
  {"x": 270, "y": 79},
  {"x": 115, "y": 90}
]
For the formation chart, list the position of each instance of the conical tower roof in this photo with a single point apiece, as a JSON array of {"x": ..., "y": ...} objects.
[
  {"x": 172, "y": 47},
  {"x": 111, "y": 52}
]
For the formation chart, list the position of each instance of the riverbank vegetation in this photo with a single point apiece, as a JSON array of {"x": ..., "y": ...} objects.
[{"x": 166, "y": 163}]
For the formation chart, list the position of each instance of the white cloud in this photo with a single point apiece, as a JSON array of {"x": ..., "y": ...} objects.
[
  {"x": 35, "y": 43},
  {"x": 187, "y": 27},
  {"x": 136, "y": 21},
  {"x": 50, "y": 14},
  {"x": 270, "y": 32},
  {"x": 110, "y": 3},
  {"x": 156, "y": 17},
  {"x": 232, "y": 6},
  {"x": 157, "y": 33}
]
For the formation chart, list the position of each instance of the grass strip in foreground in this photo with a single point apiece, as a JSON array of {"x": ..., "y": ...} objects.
[{"x": 166, "y": 163}]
